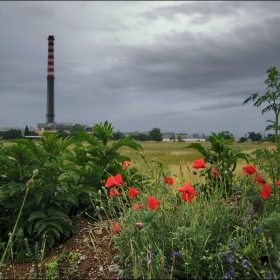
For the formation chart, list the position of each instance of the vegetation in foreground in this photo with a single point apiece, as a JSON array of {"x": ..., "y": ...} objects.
[{"x": 164, "y": 225}]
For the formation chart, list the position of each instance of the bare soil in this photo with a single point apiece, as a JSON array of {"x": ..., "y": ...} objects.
[{"x": 97, "y": 257}]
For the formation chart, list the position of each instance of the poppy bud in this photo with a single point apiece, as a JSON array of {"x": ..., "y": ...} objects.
[
  {"x": 139, "y": 225},
  {"x": 30, "y": 183},
  {"x": 35, "y": 172},
  {"x": 99, "y": 192}
]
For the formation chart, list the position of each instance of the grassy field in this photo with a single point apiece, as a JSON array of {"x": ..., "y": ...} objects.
[{"x": 173, "y": 154}]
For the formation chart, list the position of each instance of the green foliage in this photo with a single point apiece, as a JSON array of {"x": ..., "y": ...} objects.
[
  {"x": 12, "y": 134},
  {"x": 118, "y": 135},
  {"x": 255, "y": 137},
  {"x": 155, "y": 134},
  {"x": 76, "y": 128},
  {"x": 208, "y": 239},
  {"x": 70, "y": 173},
  {"x": 271, "y": 97},
  {"x": 226, "y": 135},
  {"x": 223, "y": 157}
]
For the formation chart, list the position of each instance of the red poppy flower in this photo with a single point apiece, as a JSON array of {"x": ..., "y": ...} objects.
[
  {"x": 114, "y": 192},
  {"x": 199, "y": 163},
  {"x": 115, "y": 229},
  {"x": 132, "y": 193},
  {"x": 169, "y": 181},
  {"x": 137, "y": 206},
  {"x": 126, "y": 164},
  {"x": 114, "y": 181},
  {"x": 153, "y": 204},
  {"x": 278, "y": 183},
  {"x": 119, "y": 179},
  {"x": 265, "y": 193},
  {"x": 188, "y": 192},
  {"x": 215, "y": 173},
  {"x": 249, "y": 169},
  {"x": 260, "y": 180}
]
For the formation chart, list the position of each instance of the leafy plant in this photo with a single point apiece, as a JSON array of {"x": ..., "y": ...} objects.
[
  {"x": 223, "y": 158},
  {"x": 271, "y": 97}
]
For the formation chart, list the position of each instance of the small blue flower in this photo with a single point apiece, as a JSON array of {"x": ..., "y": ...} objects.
[
  {"x": 245, "y": 264},
  {"x": 243, "y": 221},
  {"x": 250, "y": 212},
  {"x": 233, "y": 258},
  {"x": 256, "y": 230},
  {"x": 227, "y": 276},
  {"x": 175, "y": 254},
  {"x": 232, "y": 272}
]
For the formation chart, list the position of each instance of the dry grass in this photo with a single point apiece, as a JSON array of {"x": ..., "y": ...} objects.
[{"x": 173, "y": 155}]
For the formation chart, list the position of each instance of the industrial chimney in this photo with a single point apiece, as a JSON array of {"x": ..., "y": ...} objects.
[{"x": 50, "y": 81}]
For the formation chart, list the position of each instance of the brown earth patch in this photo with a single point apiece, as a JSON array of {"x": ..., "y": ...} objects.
[{"x": 96, "y": 256}]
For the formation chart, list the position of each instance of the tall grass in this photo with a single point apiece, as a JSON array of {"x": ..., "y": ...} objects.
[{"x": 175, "y": 158}]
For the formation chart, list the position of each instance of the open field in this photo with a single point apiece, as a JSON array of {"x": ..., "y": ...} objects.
[{"x": 173, "y": 154}]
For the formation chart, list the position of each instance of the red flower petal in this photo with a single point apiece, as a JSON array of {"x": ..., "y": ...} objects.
[
  {"x": 132, "y": 192},
  {"x": 188, "y": 192},
  {"x": 115, "y": 229},
  {"x": 119, "y": 180},
  {"x": 136, "y": 206},
  {"x": 169, "y": 181},
  {"x": 111, "y": 182},
  {"x": 153, "y": 203},
  {"x": 260, "y": 180},
  {"x": 199, "y": 163},
  {"x": 215, "y": 173},
  {"x": 114, "y": 192},
  {"x": 249, "y": 169},
  {"x": 265, "y": 193},
  {"x": 278, "y": 183},
  {"x": 126, "y": 164}
]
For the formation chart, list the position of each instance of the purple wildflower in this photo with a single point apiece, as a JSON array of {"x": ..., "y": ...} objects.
[
  {"x": 243, "y": 221},
  {"x": 250, "y": 212},
  {"x": 245, "y": 264},
  {"x": 256, "y": 230},
  {"x": 232, "y": 272},
  {"x": 175, "y": 254},
  {"x": 227, "y": 276},
  {"x": 233, "y": 258}
]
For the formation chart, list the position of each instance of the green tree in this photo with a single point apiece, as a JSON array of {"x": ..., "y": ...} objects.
[
  {"x": 142, "y": 137},
  {"x": 271, "y": 97},
  {"x": 255, "y": 137},
  {"x": 243, "y": 139},
  {"x": 12, "y": 134},
  {"x": 180, "y": 138},
  {"x": 156, "y": 135},
  {"x": 26, "y": 131},
  {"x": 62, "y": 133},
  {"x": 118, "y": 135},
  {"x": 226, "y": 135},
  {"x": 75, "y": 128}
]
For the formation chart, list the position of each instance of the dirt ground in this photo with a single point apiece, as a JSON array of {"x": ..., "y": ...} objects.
[{"x": 97, "y": 258}]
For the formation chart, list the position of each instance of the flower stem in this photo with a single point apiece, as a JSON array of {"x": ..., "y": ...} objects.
[{"x": 10, "y": 242}]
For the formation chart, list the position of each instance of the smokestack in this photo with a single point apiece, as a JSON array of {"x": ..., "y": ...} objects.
[{"x": 50, "y": 81}]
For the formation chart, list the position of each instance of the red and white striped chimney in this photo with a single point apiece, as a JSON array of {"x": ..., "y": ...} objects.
[
  {"x": 50, "y": 82},
  {"x": 51, "y": 57}
]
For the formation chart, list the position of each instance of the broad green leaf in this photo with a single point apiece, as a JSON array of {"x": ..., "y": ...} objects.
[
  {"x": 203, "y": 150},
  {"x": 36, "y": 215}
]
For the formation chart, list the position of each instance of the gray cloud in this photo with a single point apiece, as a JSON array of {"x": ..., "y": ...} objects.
[{"x": 179, "y": 66}]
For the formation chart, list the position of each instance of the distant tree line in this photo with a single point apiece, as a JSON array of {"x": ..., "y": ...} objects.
[
  {"x": 11, "y": 134},
  {"x": 153, "y": 135}
]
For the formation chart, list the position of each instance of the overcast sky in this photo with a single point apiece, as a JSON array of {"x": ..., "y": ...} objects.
[{"x": 178, "y": 66}]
